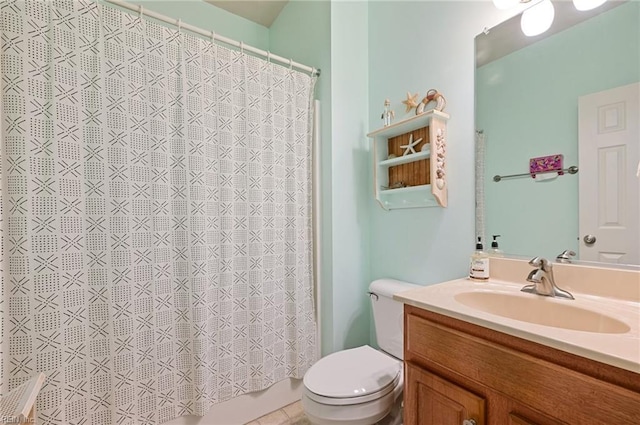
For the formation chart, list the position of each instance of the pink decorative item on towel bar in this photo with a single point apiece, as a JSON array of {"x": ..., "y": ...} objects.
[{"x": 545, "y": 164}]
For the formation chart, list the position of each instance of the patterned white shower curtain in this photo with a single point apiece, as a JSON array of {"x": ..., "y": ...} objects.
[{"x": 156, "y": 216}]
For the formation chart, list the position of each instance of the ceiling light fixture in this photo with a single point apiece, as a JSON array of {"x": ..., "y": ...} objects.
[{"x": 538, "y": 18}]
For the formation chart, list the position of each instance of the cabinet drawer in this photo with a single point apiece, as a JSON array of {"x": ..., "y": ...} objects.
[{"x": 563, "y": 393}]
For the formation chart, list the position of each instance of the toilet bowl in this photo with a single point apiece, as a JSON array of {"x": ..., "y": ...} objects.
[
  {"x": 362, "y": 386},
  {"x": 359, "y": 386}
]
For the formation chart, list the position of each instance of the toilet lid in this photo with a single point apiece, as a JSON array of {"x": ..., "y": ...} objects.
[{"x": 352, "y": 373}]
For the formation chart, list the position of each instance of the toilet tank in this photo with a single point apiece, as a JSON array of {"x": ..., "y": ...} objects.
[{"x": 388, "y": 314}]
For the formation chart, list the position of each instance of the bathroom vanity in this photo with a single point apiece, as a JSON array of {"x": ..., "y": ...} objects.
[
  {"x": 572, "y": 362},
  {"x": 457, "y": 371}
]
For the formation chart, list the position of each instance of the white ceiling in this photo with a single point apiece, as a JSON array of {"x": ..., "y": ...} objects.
[{"x": 262, "y": 12}]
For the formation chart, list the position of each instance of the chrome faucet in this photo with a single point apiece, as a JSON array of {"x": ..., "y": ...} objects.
[
  {"x": 565, "y": 256},
  {"x": 542, "y": 279}
]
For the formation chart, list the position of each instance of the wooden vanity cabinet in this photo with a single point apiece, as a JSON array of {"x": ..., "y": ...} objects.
[{"x": 456, "y": 372}]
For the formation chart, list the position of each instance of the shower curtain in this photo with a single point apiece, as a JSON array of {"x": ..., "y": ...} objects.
[{"x": 155, "y": 216}]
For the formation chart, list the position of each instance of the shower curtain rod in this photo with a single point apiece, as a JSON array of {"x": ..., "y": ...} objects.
[{"x": 213, "y": 35}]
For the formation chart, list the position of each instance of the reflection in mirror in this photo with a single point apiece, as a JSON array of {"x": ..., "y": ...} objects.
[{"x": 572, "y": 92}]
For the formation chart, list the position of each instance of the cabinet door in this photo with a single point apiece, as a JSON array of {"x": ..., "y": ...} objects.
[{"x": 431, "y": 400}]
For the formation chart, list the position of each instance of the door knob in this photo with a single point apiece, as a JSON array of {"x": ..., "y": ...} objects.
[
  {"x": 589, "y": 239},
  {"x": 469, "y": 422}
]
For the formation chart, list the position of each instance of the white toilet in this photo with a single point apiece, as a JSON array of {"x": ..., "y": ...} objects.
[{"x": 362, "y": 386}]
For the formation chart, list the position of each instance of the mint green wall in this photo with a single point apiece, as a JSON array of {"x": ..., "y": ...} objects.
[
  {"x": 416, "y": 46},
  {"x": 209, "y": 17},
  {"x": 520, "y": 121},
  {"x": 350, "y": 170},
  {"x": 302, "y": 31}
]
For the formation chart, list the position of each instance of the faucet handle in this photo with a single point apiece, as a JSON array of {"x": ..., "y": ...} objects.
[
  {"x": 541, "y": 263},
  {"x": 565, "y": 257},
  {"x": 535, "y": 261}
]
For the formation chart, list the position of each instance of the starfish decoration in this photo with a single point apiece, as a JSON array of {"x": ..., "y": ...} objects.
[
  {"x": 409, "y": 147},
  {"x": 411, "y": 102}
]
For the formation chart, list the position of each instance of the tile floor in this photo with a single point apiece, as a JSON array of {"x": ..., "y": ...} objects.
[{"x": 291, "y": 414}]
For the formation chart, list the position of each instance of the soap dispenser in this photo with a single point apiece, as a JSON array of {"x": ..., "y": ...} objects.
[
  {"x": 495, "y": 251},
  {"x": 479, "y": 267}
]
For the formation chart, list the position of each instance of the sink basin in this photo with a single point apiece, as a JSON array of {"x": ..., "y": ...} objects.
[{"x": 542, "y": 311}]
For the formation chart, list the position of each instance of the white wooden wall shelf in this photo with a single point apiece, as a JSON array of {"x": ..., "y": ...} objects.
[{"x": 417, "y": 179}]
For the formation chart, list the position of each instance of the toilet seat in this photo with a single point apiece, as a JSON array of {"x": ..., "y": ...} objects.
[
  {"x": 345, "y": 401},
  {"x": 354, "y": 376}
]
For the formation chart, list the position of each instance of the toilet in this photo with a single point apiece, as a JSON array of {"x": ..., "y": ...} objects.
[{"x": 362, "y": 386}]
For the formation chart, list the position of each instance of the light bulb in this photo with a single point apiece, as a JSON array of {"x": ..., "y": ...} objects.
[
  {"x": 587, "y": 4},
  {"x": 538, "y": 18},
  {"x": 505, "y": 4}
]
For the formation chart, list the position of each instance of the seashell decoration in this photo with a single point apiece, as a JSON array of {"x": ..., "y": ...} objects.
[{"x": 440, "y": 158}]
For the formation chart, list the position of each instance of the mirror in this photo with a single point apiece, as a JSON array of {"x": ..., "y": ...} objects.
[{"x": 527, "y": 94}]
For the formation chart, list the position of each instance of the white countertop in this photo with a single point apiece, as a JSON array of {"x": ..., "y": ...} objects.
[{"x": 617, "y": 349}]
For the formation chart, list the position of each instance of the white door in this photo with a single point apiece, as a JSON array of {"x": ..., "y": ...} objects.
[{"x": 609, "y": 152}]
